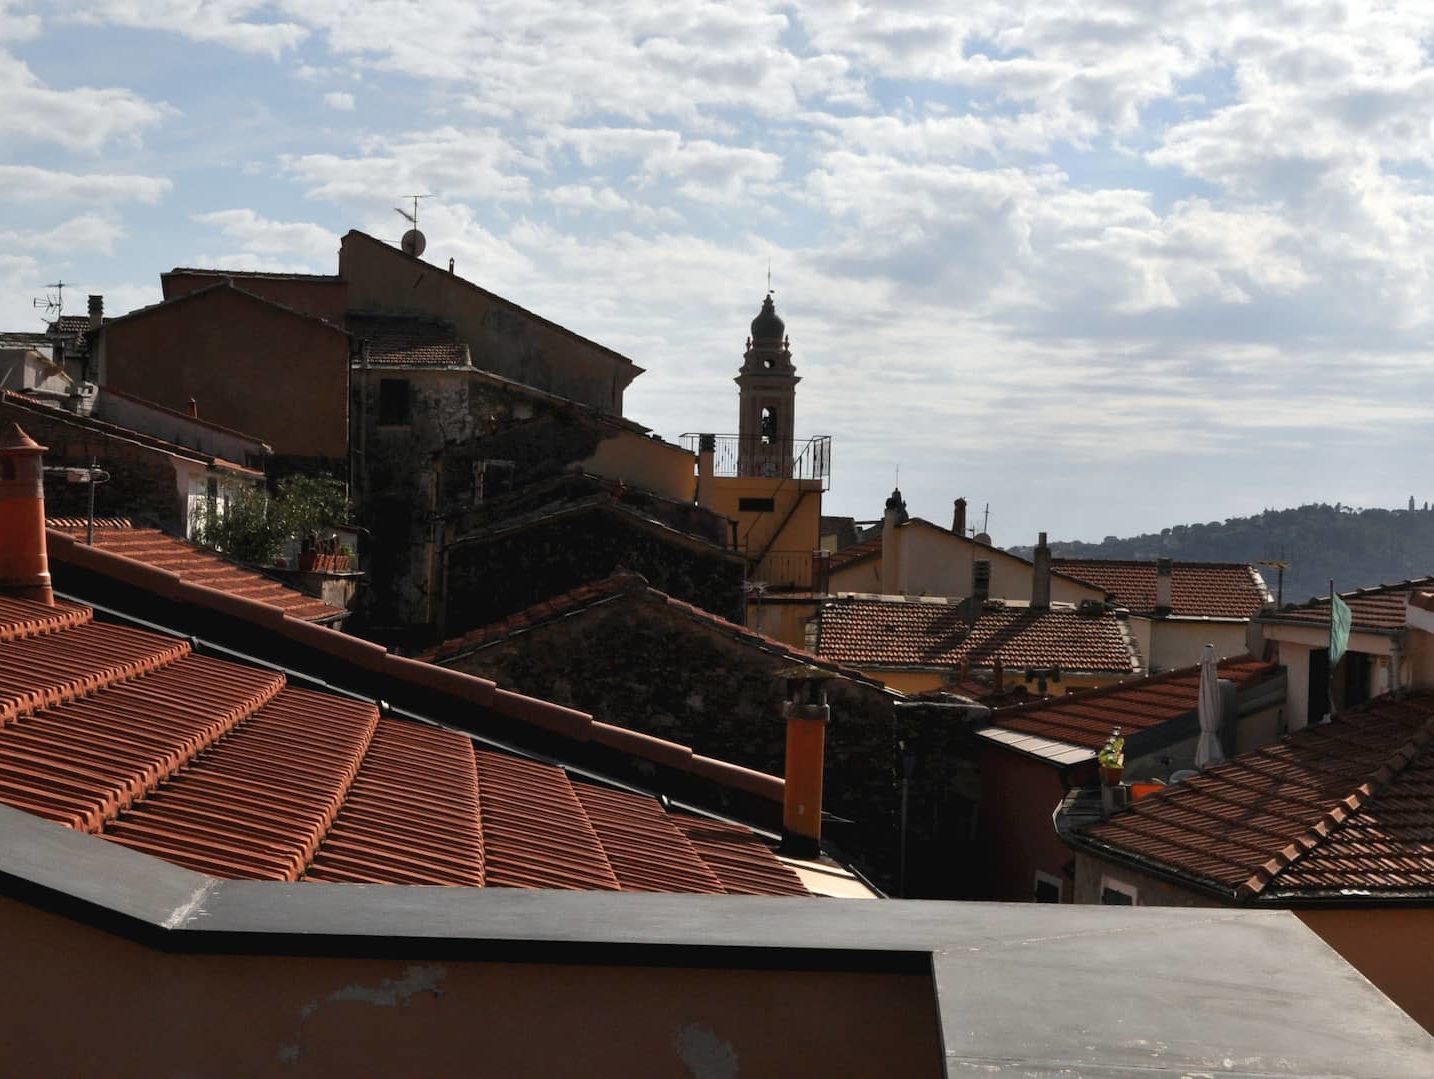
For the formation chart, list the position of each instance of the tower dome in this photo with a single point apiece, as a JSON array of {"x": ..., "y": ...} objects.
[{"x": 767, "y": 326}]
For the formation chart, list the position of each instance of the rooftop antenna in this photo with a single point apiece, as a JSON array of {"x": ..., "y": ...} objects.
[
  {"x": 52, "y": 301},
  {"x": 413, "y": 241},
  {"x": 769, "y": 275}
]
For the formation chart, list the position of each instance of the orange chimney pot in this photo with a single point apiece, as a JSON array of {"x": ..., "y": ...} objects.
[
  {"x": 24, "y": 567},
  {"x": 807, "y": 718}
]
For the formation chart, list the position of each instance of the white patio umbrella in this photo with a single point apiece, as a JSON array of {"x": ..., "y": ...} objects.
[{"x": 1208, "y": 751}]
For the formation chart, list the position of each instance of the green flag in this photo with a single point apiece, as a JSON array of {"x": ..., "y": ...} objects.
[{"x": 1339, "y": 619}]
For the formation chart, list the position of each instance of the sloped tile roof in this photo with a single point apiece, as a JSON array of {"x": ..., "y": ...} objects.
[
  {"x": 625, "y": 583},
  {"x": 229, "y": 770},
  {"x": 1377, "y": 608},
  {"x": 887, "y": 632},
  {"x": 11, "y": 402},
  {"x": 1085, "y": 718},
  {"x": 1198, "y": 589},
  {"x": 1344, "y": 808},
  {"x": 409, "y": 340},
  {"x": 200, "y": 565}
]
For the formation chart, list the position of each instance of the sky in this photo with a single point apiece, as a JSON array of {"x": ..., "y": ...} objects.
[{"x": 1100, "y": 266}]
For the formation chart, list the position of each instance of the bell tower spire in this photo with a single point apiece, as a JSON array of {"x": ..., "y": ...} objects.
[{"x": 767, "y": 386}]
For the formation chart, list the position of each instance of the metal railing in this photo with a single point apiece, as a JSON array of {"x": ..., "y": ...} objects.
[{"x": 751, "y": 455}]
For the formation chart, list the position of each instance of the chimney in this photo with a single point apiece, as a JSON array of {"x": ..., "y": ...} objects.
[
  {"x": 1041, "y": 576},
  {"x": 193, "y": 409},
  {"x": 807, "y": 714},
  {"x": 998, "y": 675},
  {"x": 980, "y": 589},
  {"x": 97, "y": 311},
  {"x": 893, "y": 579},
  {"x": 24, "y": 568},
  {"x": 706, "y": 453},
  {"x": 1164, "y": 586},
  {"x": 958, "y": 519}
]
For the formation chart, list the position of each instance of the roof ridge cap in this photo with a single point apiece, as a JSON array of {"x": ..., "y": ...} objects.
[{"x": 1334, "y": 818}]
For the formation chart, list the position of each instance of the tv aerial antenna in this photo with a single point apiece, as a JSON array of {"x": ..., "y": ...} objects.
[
  {"x": 52, "y": 301},
  {"x": 413, "y": 241}
]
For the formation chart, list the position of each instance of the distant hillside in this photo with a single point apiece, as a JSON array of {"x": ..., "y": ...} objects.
[{"x": 1357, "y": 548}]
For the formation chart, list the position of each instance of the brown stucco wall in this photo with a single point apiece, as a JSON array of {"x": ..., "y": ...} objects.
[
  {"x": 79, "y": 1001},
  {"x": 1018, "y": 796},
  {"x": 248, "y": 364},
  {"x": 1154, "y": 891},
  {"x": 1391, "y": 946},
  {"x": 643, "y": 665},
  {"x": 325, "y": 299},
  {"x": 502, "y": 337}
]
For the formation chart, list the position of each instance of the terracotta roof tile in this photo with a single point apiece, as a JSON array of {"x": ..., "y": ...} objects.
[
  {"x": 1378, "y": 608},
  {"x": 741, "y": 862},
  {"x": 886, "y": 632},
  {"x": 1345, "y": 807},
  {"x": 227, "y": 770},
  {"x": 200, "y": 565},
  {"x": 1085, "y": 718},
  {"x": 407, "y": 340},
  {"x": 1198, "y": 589}
]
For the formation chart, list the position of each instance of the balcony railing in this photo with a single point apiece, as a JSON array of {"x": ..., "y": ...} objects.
[
  {"x": 791, "y": 571},
  {"x": 738, "y": 455}
]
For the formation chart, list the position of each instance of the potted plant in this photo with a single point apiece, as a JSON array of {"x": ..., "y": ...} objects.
[{"x": 1112, "y": 759}]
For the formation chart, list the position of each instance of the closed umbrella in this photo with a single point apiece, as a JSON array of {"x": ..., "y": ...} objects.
[{"x": 1208, "y": 751}]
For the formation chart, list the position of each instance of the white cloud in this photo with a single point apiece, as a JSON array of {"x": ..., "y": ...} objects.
[
  {"x": 84, "y": 118},
  {"x": 27, "y": 183},
  {"x": 274, "y": 245},
  {"x": 344, "y": 102},
  {"x": 222, "y": 22}
]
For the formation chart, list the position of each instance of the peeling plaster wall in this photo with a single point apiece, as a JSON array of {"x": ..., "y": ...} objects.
[{"x": 246, "y": 1015}]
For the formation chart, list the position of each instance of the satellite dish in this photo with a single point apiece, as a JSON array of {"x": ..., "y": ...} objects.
[
  {"x": 982, "y": 538},
  {"x": 413, "y": 243}
]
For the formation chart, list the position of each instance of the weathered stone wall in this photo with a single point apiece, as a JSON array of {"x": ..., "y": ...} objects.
[
  {"x": 491, "y": 578},
  {"x": 641, "y": 664},
  {"x": 142, "y": 482},
  {"x": 473, "y": 454}
]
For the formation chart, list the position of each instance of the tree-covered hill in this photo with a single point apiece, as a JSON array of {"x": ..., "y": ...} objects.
[{"x": 1355, "y": 547}]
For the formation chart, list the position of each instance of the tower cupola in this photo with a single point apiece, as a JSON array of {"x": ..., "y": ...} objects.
[{"x": 768, "y": 397}]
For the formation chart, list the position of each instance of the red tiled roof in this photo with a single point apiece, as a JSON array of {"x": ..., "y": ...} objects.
[
  {"x": 1344, "y": 808},
  {"x": 228, "y": 770},
  {"x": 1085, "y": 718},
  {"x": 1198, "y": 589},
  {"x": 622, "y": 583},
  {"x": 1377, "y": 608},
  {"x": 462, "y": 695},
  {"x": 885, "y": 632},
  {"x": 404, "y": 339},
  {"x": 200, "y": 565}
]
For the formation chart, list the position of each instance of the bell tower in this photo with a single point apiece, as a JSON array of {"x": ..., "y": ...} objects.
[{"x": 767, "y": 386}]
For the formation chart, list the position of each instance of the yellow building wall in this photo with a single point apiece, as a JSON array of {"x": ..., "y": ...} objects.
[
  {"x": 936, "y": 563},
  {"x": 922, "y": 681},
  {"x": 782, "y": 620},
  {"x": 790, "y": 531},
  {"x": 1165, "y": 644},
  {"x": 644, "y": 462}
]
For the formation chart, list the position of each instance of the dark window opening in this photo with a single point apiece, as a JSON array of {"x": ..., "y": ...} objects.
[
  {"x": 1114, "y": 897},
  {"x": 756, "y": 505},
  {"x": 7, "y": 469},
  {"x": 769, "y": 425},
  {"x": 1047, "y": 891},
  {"x": 395, "y": 403},
  {"x": 1318, "y": 697},
  {"x": 1358, "y": 666}
]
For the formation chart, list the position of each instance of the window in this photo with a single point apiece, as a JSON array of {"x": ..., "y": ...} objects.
[
  {"x": 1048, "y": 888},
  {"x": 1116, "y": 893},
  {"x": 395, "y": 405},
  {"x": 756, "y": 505}
]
